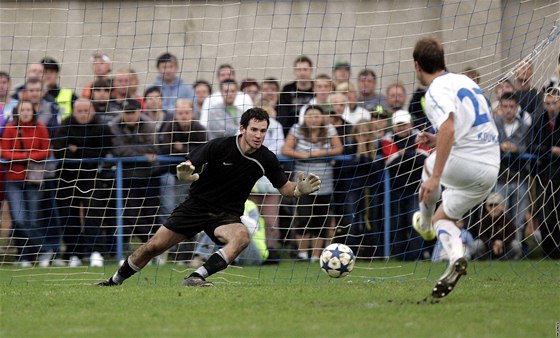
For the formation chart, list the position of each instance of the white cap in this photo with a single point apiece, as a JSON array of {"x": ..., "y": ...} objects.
[
  {"x": 401, "y": 116},
  {"x": 99, "y": 55}
]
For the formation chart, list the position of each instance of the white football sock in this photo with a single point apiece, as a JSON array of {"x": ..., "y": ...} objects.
[{"x": 450, "y": 236}]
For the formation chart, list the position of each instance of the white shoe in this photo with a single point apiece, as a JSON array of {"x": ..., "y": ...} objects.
[
  {"x": 58, "y": 262},
  {"x": 45, "y": 259},
  {"x": 25, "y": 264},
  {"x": 96, "y": 260},
  {"x": 429, "y": 233},
  {"x": 74, "y": 262},
  {"x": 44, "y": 263},
  {"x": 450, "y": 277},
  {"x": 304, "y": 256}
]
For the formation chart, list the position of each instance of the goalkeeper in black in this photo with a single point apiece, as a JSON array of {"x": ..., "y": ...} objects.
[{"x": 222, "y": 172}]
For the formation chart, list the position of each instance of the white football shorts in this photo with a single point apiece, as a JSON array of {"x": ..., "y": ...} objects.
[{"x": 467, "y": 183}]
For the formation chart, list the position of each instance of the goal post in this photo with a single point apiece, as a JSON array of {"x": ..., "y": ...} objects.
[{"x": 261, "y": 40}]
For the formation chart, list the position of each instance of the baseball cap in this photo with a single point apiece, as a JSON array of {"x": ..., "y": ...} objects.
[
  {"x": 494, "y": 198},
  {"x": 401, "y": 116},
  {"x": 99, "y": 55},
  {"x": 131, "y": 105},
  {"x": 341, "y": 65},
  {"x": 50, "y": 64}
]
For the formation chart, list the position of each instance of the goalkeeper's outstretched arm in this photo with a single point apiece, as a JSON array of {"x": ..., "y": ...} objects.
[{"x": 302, "y": 186}]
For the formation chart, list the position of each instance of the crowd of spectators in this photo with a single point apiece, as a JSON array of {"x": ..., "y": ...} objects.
[{"x": 336, "y": 126}]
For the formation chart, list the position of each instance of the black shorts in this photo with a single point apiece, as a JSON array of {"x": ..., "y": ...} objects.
[{"x": 192, "y": 216}]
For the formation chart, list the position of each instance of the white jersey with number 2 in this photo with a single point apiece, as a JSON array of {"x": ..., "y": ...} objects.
[{"x": 476, "y": 136}]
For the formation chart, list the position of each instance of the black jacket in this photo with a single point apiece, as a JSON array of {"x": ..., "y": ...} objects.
[
  {"x": 93, "y": 140},
  {"x": 542, "y": 139}
]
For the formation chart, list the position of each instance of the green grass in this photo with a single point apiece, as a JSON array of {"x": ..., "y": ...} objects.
[{"x": 496, "y": 299}]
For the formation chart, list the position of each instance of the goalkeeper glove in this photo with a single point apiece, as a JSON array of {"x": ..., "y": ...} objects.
[
  {"x": 306, "y": 186},
  {"x": 185, "y": 172}
]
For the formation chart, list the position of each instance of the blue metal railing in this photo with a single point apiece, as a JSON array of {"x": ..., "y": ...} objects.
[{"x": 119, "y": 199}]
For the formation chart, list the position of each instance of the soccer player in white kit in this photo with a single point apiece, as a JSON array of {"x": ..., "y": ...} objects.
[{"x": 466, "y": 159}]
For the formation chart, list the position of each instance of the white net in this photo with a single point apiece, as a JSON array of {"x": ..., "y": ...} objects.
[{"x": 101, "y": 201}]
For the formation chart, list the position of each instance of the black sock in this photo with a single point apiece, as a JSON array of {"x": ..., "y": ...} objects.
[
  {"x": 125, "y": 271},
  {"x": 214, "y": 264}
]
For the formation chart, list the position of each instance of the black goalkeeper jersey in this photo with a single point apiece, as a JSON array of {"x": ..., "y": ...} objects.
[{"x": 227, "y": 176}]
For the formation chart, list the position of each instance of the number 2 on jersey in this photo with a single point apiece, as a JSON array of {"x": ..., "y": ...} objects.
[{"x": 479, "y": 117}]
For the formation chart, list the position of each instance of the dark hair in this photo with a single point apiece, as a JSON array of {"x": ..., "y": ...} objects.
[
  {"x": 306, "y": 131},
  {"x": 16, "y": 111},
  {"x": 50, "y": 64},
  {"x": 366, "y": 72},
  {"x": 166, "y": 57},
  {"x": 131, "y": 104},
  {"x": 256, "y": 113},
  {"x": 203, "y": 83},
  {"x": 509, "y": 96},
  {"x": 316, "y": 107},
  {"x": 272, "y": 80},
  {"x": 303, "y": 58},
  {"x": 101, "y": 84},
  {"x": 249, "y": 82},
  {"x": 151, "y": 90},
  {"x": 5, "y": 74},
  {"x": 32, "y": 80},
  {"x": 227, "y": 81},
  {"x": 429, "y": 55}
]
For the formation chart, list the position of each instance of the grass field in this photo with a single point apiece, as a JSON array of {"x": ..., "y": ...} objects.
[{"x": 496, "y": 299}]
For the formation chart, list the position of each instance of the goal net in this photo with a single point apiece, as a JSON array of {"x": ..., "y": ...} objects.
[{"x": 77, "y": 200}]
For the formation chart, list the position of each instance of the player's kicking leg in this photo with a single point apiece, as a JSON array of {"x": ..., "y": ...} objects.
[
  {"x": 422, "y": 220},
  {"x": 159, "y": 243},
  {"x": 235, "y": 238}
]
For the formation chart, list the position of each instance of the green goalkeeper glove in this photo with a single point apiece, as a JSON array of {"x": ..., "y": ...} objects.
[
  {"x": 185, "y": 172},
  {"x": 306, "y": 186}
]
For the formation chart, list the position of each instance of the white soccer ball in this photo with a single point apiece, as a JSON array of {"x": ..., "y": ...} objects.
[{"x": 337, "y": 260}]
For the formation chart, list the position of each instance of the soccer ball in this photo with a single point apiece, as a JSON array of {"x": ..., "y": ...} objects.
[{"x": 337, "y": 260}]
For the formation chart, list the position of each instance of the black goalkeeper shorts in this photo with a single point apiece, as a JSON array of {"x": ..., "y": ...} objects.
[{"x": 193, "y": 216}]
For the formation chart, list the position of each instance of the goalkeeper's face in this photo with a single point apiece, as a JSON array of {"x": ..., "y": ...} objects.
[{"x": 253, "y": 136}]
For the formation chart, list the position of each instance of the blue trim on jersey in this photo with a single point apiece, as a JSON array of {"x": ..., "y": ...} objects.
[{"x": 441, "y": 232}]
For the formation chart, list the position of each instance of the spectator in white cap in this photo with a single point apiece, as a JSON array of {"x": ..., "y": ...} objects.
[
  {"x": 401, "y": 117},
  {"x": 404, "y": 159},
  {"x": 101, "y": 66}
]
